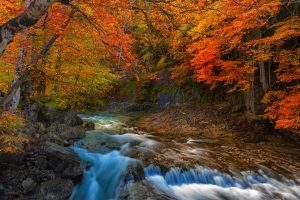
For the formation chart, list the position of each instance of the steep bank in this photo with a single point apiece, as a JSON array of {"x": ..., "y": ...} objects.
[
  {"x": 44, "y": 167},
  {"x": 233, "y": 139}
]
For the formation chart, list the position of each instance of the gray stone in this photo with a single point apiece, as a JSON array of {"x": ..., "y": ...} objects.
[
  {"x": 72, "y": 119},
  {"x": 63, "y": 160},
  {"x": 89, "y": 126},
  {"x": 57, "y": 189},
  {"x": 63, "y": 132},
  {"x": 28, "y": 185},
  {"x": 142, "y": 190}
]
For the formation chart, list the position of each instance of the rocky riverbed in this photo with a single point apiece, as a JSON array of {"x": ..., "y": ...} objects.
[
  {"x": 126, "y": 162},
  {"x": 220, "y": 139}
]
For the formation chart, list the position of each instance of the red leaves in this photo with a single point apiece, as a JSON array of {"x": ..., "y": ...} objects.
[{"x": 284, "y": 109}]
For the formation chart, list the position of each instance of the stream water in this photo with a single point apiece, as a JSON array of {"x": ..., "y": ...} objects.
[{"x": 114, "y": 155}]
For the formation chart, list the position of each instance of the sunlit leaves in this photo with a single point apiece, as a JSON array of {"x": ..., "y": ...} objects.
[{"x": 284, "y": 108}]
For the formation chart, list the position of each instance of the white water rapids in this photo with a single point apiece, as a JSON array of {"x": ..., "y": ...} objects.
[{"x": 105, "y": 154}]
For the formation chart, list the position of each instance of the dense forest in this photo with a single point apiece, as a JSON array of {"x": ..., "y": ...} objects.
[
  {"x": 234, "y": 59},
  {"x": 245, "y": 48}
]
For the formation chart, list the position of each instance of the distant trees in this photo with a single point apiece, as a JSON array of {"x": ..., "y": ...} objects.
[{"x": 246, "y": 46}]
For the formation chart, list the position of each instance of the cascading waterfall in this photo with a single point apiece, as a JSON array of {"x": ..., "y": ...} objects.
[
  {"x": 103, "y": 153},
  {"x": 103, "y": 175},
  {"x": 104, "y": 171},
  {"x": 209, "y": 184}
]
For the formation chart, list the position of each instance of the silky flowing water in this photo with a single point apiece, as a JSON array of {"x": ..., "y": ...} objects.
[{"x": 110, "y": 151}]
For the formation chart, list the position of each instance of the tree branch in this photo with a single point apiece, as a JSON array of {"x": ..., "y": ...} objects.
[
  {"x": 11, "y": 92},
  {"x": 28, "y": 18}
]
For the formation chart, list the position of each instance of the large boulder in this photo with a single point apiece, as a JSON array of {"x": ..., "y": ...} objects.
[
  {"x": 89, "y": 126},
  {"x": 62, "y": 132},
  {"x": 142, "y": 190},
  {"x": 72, "y": 119},
  {"x": 57, "y": 189},
  {"x": 73, "y": 133},
  {"x": 63, "y": 160},
  {"x": 28, "y": 185}
]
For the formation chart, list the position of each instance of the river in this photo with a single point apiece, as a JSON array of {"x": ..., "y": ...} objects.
[{"x": 122, "y": 162}]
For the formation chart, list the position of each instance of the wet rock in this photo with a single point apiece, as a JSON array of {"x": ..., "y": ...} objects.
[
  {"x": 63, "y": 160},
  {"x": 108, "y": 144},
  {"x": 28, "y": 185},
  {"x": 89, "y": 126},
  {"x": 72, "y": 119},
  {"x": 74, "y": 172},
  {"x": 57, "y": 189},
  {"x": 142, "y": 190},
  {"x": 136, "y": 172}
]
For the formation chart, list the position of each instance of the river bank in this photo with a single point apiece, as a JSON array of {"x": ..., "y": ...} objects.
[
  {"x": 232, "y": 138},
  {"x": 42, "y": 166}
]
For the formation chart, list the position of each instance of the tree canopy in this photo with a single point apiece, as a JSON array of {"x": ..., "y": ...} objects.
[{"x": 249, "y": 47}]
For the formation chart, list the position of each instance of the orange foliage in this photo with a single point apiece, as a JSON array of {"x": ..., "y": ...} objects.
[
  {"x": 222, "y": 42},
  {"x": 284, "y": 109},
  {"x": 8, "y": 120}
]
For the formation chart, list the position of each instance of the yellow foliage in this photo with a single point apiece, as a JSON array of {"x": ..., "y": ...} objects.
[
  {"x": 8, "y": 120},
  {"x": 8, "y": 142}
]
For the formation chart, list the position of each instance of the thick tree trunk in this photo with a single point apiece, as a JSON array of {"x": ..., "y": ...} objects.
[
  {"x": 41, "y": 90},
  {"x": 263, "y": 76},
  {"x": 12, "y": 106},
  {"x": 13, "y": 89},
  {"x": 28, "y": 18},
  {"x": 250, "y": 97},
  {"x": 58, "y": 68}
]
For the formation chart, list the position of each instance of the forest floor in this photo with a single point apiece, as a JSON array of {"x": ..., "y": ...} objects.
[{"x": 231, "y": 138}]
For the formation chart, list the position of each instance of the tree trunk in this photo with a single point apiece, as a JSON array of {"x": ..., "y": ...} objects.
[
  {"x": 58, "y": 68},
  {"x": 28, "y": 18},
  {"x": 42, "y": 82},
  {"x": 13, "y": 89},
  {"x": 250, "y": 98},
  {"x": 12, "y": 106},
  {"x": 263, "y": 76}
]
